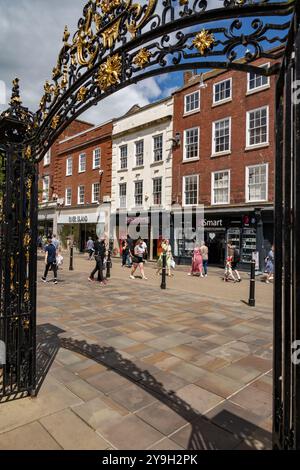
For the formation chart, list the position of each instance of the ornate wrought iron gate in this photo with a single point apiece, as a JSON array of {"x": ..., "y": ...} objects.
[
  {"x": 118, "y": 43},
  {"x": 18, "y": 201},
  {"x": 286, "y": 422}
]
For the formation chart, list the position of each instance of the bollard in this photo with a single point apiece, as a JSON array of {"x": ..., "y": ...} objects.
[
  {"x": 251, "y": 302},
  {"x": 164, "y": 271},
  {"x": 108, "y": 264},
  {"x": 71, "y": 268}
]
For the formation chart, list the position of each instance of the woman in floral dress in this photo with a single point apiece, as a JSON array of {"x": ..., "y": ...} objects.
[{"x": 197, "y": 263}]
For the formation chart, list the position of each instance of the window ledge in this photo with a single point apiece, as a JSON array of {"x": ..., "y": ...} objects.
[
  {"x": 257, "y": 146},
  {"x": 219, "y": 103},
  {"x": 83, "y": 171},
  {"x": 220, "y": 154},
  {"x": 188, "y": 160},
  {"x": 123, "y": 170},
  {"x": 69, "y": 175},
  {"x": 190, "y": 113},
  {"x": 159, "y": 163},
  {"x": 220, "y": 204},
  {"x": 257, "y": 201},
  {"x": 257, "y": 90},
  {"x": 141, "y": 167}
]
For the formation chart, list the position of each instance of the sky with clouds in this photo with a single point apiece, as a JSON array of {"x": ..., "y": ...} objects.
[{"x": 30, "y": 40}]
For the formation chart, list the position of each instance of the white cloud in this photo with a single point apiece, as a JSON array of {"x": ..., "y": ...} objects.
[{"x": 30, "y": 39}]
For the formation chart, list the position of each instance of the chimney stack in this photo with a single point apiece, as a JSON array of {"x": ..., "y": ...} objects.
[{"x": 187, "y": 76}]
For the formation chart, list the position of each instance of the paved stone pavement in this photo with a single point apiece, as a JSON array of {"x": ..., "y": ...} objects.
[{"x": 128, "y": 366}]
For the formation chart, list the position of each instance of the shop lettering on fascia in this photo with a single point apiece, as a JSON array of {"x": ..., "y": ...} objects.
[{"x": 95, "y": 218}]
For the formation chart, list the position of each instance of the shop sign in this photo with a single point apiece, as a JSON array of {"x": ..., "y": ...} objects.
[
  {"x": 78, "y": 219},
  {"x": 93, "y": 218},
  {"x": 211, "y": 223}
]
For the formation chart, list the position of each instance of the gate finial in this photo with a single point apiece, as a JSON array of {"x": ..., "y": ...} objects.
[{"x": 15, "y": 97}]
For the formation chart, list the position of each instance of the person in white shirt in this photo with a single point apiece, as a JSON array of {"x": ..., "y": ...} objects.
[{"x": 138, "y": 259}]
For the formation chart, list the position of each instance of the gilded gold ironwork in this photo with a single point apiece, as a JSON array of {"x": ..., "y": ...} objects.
[
  {"x": 28, "y": 152},
  {"x": 203, "y": 41},
  {"x": 110, "y": 72},
  {"x": 183, "y": 2},
  {"x": 55, "y": 122},
  {"x": 139, "y": 20},
  {"x": 110, "y": 34},
  {"x": 26, "y": 240},
  {"x": 107, "y": 6},
  {"x": 82, "y": 94},
  {"x": 142, "y": 58}
]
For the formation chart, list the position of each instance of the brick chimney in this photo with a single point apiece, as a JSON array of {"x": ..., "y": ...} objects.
[{"x": 187, "y": 76}]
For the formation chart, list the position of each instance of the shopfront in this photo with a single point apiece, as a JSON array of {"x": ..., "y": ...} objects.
[
  {"x": 152, "y": 227},
  {"x": 47, "y": 220},
  {"x": 248, "y": 231},
  {"x": 79, "y": 226}
]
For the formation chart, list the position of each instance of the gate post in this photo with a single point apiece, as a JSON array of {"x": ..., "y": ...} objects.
[{"x": 18, "y": 250}]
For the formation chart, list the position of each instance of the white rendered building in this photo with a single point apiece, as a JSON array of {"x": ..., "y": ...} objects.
[{"x": 142, "y": 173}]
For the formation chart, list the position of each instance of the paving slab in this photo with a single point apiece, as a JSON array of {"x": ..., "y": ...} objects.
[
  {"x": 29, "y": 437},
  {"x": 72, "y": 433}
]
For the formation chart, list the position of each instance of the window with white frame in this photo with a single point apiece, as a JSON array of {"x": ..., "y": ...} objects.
[
  {"x": 222, "y": 91},
  {"x": 68, "y": 201},
  {"x": 258, "y": 126},
  {"x": 138, "y": 193},
  {"x": 220, "y": 187},
  {"x": 192, "y": 102},
  {"x": 95, "y": 192},
  {"x": 257, "y": 183},
  {"x": 81, "y": 192},
  {"x": 82, "y": 163},
  {"x": 96, "y": 158},
  {"x": 191, "y": 143},
  {"x": 190, "y": 190},
  {"x": 158, "y": 147},
  {"x": 123, "y": 195},
  {"x": 46, "y": 188},
  {"x": 69, "y": 166},
  {"x": 139, "y": 153},
  {"x": 123, "y": 157},
  {"x": 221, "y": 136},
  {"x": 255, "y": 81},
  {"x": 47, "y": 158},
  {"x": 157, "y": 191}
]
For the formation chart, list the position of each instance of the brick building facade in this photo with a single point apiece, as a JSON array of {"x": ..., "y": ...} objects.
[
  {"x": 80, "y": 177},
  {"x": 48, "y": 170},
  {"x": 224, "y": 160}
]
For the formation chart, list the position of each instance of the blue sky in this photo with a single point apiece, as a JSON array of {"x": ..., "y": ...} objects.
[{"x": 30, "y": 40}]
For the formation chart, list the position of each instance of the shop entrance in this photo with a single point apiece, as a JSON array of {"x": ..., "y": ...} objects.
[{"x": 215, "y": 241}]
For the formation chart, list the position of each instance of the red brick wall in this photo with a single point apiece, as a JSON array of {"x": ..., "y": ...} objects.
[
  {"x": 239, "y": 158},
  {"x": 99, "y": 137},
  {"x": 50, "y": 170}
]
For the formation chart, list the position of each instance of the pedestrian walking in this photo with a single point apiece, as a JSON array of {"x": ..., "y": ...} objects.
[
  {"x": 204, "y": 253},
  {"x": 50, "y": 260},
  {"x": 270, "y": 265},
  {"x": 228, "y": 274},
  {"x": 167, "y": 250},
  {"x": 126, "y": 254},
  {"x": 90, "y": 248},
  {"x": 100, "y": 251},
  {"x": 138, "y": 259},
  {"x": 197, "y": 263},
  {"x": 235, "y": 259},
  {"x": 55, "y": 242}
]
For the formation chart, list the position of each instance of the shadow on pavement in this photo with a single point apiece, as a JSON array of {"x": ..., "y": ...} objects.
[{"x": 204, "y": 433}]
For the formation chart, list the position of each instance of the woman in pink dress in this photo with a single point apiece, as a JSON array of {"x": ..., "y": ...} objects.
[{"x": 197, "y": 264}]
